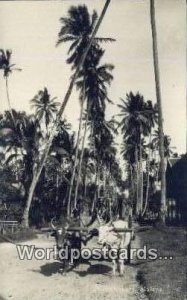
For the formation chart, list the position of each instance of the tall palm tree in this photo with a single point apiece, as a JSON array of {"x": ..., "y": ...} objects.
[
  {"x": 77, "y": 28},
  {"x": 45, "y": 106},
  {"x": 160, "y": 114},
  {"x": 93, "y": 81},
  {"x": 135, "y": 123},
  {"x": 59, "y": 115},
  {"x": 152, "y": 113},
  {"x": 7, "y": 67}
]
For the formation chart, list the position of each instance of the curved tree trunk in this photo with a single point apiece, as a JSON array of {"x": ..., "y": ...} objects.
[
  {"x": 160, "y": 115},
  {"x": 37, "y": 173}
]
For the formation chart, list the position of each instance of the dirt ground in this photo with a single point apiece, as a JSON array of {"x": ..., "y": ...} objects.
[{"x": 40, "y": 279}]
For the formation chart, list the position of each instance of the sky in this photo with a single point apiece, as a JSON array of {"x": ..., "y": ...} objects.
[{"x": 30, "y": 29}]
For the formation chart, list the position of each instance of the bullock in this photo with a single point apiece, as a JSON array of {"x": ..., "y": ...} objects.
[
  {"x": 62, "y": 241},
  {"x": 70, "y": 239},
  {"x": 111, "y": 236}
]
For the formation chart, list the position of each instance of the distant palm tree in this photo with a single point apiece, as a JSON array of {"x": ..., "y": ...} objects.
[
  {"x": 102, "y": 142},
  {"x": 45, "y": 106},
  {"x": 167, "y": 141},
  {"x": 27, "y": 150},
  {"x": 8, "y": 68},
  {"x": 135, "y": 123},
  {"x": 61, "y": 152},
  {"x": 88, "y": 169},
  {"x": 138, "y": 118}
]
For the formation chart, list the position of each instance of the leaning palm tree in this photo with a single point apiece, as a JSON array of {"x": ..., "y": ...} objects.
[
  {"x": 42, "y": 163},
  {"x": 160, "y": 114},
  {"x": 45, "y": 107},
  {"x": 7, "y": 67}
]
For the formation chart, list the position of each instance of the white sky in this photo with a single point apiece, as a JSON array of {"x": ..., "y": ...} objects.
[{"x": 30, "y": 29}]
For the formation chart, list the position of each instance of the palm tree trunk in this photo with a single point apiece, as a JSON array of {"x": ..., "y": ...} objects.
[
  {"x": 147, "y": 190},
  {"x": 131, "y": 184},
  {"x": 47, "y": 131},
  {"x": 76, "y": 160},
  {"x": 137, "y": 181},
  {"x": 57, "y": 185},
  {"x": 85, "y": 186},
  {"x": 141, "y": 179},
  {"x": 59, "y": 115},
  {"x": 25, "y": 218},
  {"x": 8, "y": 100},
  {"x": 81, "y": 158},
  {"x": 96, "y": 187},
  {"x": 160, "y": 116},
  {"x": 147, "y": 187}
]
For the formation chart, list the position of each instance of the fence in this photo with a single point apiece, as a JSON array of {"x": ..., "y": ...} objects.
[{"x": 8, "y": 226}]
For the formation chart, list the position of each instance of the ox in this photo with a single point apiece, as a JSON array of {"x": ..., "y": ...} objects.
[
  {"x": 65, "y": 238},
  {"x": 110, "y": 238}
]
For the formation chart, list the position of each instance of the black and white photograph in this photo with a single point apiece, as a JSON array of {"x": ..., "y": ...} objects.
[{"x": 93, "y": 150}]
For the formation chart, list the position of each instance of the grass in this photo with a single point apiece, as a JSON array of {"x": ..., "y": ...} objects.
[
  {"x": 21, "y": 234},
  {"x": 164, "y": 279}
]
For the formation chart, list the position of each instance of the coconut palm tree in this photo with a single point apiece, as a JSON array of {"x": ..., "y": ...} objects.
[
  {"x": 138, "y": 117},
  {"x": 61, "y": 153},
  {"x": 152, "y": 113},
  {"x": 7, "y": 67},
  {"x": 102, "y": 140},
  {"x": 27, "y": 151},
  {"x": 135, "y": 123},
  {"x": 92, "y": 82},
  {"x": 45, "y": 107},
  {"x": 77, "y": 28},
  {"x": 59, "y": 115},
  {"x": 160, "y": 114},
  {"x": 167, "y": 141},
  {"x": 130, "y": 155}
]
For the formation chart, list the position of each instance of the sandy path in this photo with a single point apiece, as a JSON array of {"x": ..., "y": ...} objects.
[{"x": 40, "y": 279}]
